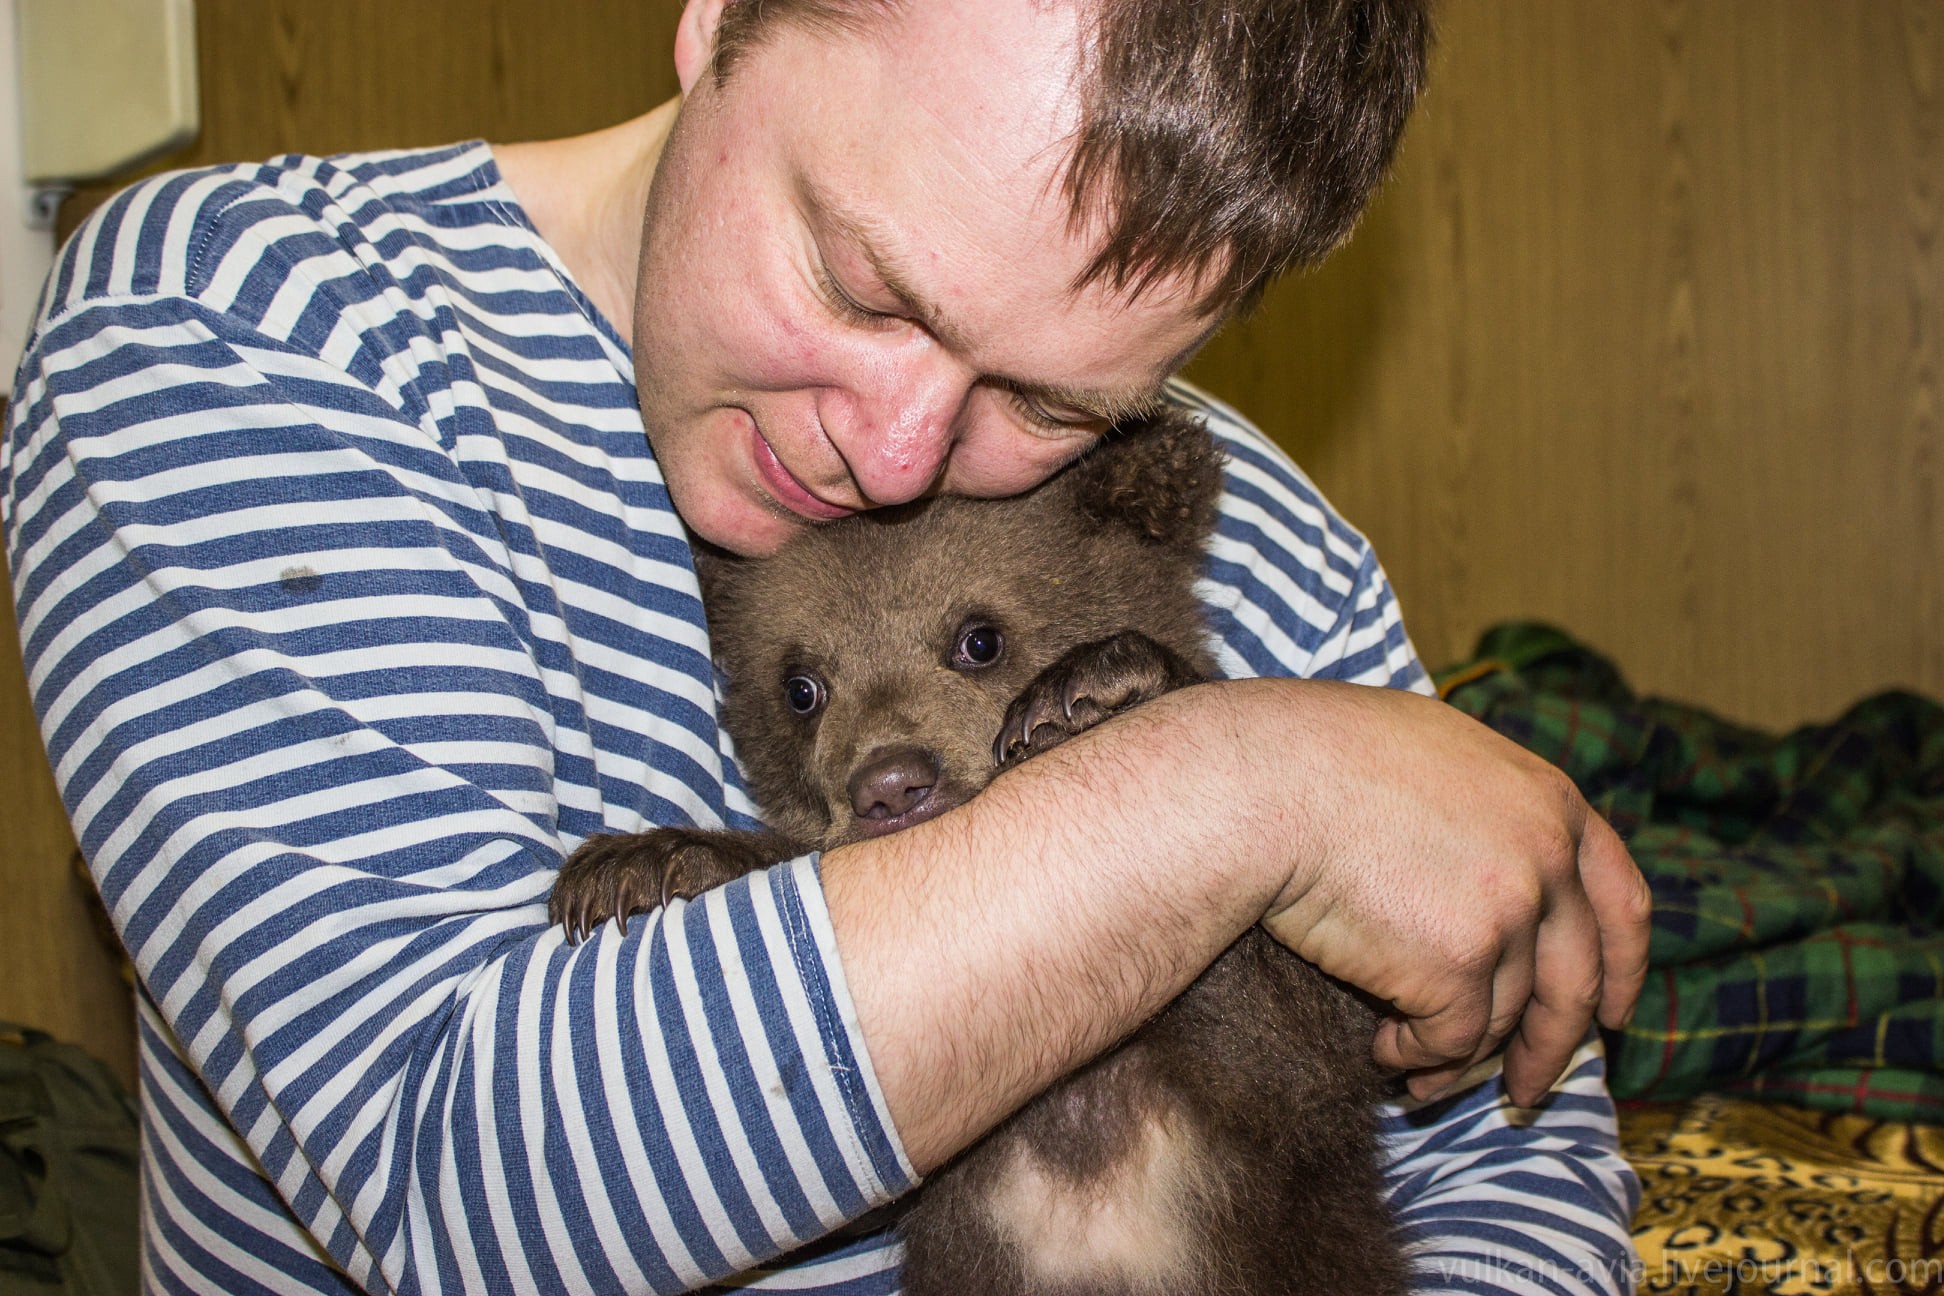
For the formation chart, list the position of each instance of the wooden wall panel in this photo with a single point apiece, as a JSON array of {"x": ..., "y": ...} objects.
[
  {"x": 1644, "y": 339},
  {"x": 296, "y": 76}
]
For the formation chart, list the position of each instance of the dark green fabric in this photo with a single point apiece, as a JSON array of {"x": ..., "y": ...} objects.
[
  {"x": 1798, "y": 938},
  {"x": 69, "y": 1145}
]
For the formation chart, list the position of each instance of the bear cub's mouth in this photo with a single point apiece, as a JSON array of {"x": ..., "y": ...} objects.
[
  {"x": 896, "y": 788},
  {"x": 930, "y": 808}
]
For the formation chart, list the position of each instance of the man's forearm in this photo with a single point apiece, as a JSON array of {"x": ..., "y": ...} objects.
[{"x": 992, "y": 950}]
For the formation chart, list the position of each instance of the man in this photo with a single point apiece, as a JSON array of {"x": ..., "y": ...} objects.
[{"x": 352, "y": 599}]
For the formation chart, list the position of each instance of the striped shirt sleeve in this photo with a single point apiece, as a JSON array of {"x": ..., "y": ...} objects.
[
  {"x": 1490, "y": 1198},
  {"x": 301, "y": 661}
]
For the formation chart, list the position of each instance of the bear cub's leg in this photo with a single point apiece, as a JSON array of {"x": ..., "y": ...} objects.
[
  {"x": 614, "y": 875},
  {"x": 1085, "y": 686}
]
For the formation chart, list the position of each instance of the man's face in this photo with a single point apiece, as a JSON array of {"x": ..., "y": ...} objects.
[{"x": 856, "y": 270}]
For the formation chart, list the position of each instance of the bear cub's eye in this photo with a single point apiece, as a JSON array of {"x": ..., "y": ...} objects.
[
  {"x": 804, "y": 694},
  {"x": 978, "y": 645}
]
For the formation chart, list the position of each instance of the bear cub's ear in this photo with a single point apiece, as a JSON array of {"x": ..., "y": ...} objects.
[{"x": 1159, "y": 476}]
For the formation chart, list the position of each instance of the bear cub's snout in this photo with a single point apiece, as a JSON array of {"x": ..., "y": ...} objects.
[{"x": 895, "y": 788}]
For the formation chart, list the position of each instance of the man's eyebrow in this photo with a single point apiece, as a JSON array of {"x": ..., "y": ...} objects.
[{"x": 865, "y": 234}]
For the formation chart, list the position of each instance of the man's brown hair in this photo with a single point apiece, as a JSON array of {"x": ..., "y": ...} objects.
[{"x": 1224, "y": 140}]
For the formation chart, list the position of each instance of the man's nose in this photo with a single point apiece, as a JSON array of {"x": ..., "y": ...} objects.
[{"x": 895, "y": 421}]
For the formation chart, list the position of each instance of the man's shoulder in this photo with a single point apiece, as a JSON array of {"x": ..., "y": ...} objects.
[{"x": 231, "y": 236}]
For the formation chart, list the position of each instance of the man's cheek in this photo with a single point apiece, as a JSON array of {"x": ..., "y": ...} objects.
[{"x": 1004, "y": 460}]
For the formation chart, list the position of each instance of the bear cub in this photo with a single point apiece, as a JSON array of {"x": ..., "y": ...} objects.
[{"x": 882, "y": 669}]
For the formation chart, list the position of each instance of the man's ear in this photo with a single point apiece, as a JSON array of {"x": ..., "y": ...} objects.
[{"x": 695, "y": 39}]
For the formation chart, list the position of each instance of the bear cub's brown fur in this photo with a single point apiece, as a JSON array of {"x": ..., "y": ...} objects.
[{"x": 881, "y": 670}]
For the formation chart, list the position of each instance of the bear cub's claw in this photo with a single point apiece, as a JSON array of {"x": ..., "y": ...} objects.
[
  {"x": 612, "y": 876},
  {"x": 1085, "y": 686}
]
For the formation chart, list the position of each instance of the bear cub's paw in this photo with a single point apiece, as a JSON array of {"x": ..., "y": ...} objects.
[
  {"x": 1085, "y": 686},
  {"x": 612, "y": 876}
]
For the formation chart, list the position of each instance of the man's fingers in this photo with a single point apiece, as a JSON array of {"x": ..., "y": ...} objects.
[
  {"x": 1590, "y": 953},
  {"x": 1434, "y": 1082},
  {"x": 1418, "y": 1043},
  {"x": 1453, "y": 1037},
  {"x": 1623, "y": 907},
  {"x": 1566, "y": 988},
  {"x": 1511, "y": 988},
  {"x": 1511, "y": 991}
]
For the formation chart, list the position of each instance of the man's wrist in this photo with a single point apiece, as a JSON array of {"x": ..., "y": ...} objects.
[{"x": 1271, "y": 748}]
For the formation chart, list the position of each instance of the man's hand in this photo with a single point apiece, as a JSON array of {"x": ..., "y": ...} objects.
[{"x": 1462, "y": 878}]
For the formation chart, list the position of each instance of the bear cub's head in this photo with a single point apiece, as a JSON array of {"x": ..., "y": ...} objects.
[{"x": 868, "y": 664}]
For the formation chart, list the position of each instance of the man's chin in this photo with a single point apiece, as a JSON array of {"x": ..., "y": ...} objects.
[{"x": 747, "y": 528}]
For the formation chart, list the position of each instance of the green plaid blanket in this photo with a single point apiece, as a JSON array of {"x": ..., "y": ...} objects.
[{"x": 1798, "y": 940}]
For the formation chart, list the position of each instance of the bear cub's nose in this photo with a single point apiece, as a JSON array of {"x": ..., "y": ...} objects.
[{"x": 893, "y": 782}]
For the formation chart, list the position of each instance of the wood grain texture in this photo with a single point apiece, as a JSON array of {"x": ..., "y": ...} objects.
[
  {"x": 282, "y": 76},
  {"x": 1644, "y": 339}
]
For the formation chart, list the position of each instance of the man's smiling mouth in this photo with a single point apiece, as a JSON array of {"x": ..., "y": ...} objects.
[{"x": 783, "y": 485}]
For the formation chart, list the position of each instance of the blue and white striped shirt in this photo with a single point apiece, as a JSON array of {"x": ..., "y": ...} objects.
[{"x": 352, "y": 600}]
